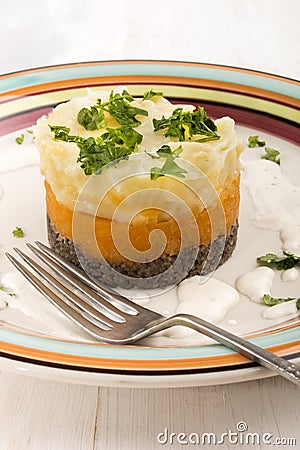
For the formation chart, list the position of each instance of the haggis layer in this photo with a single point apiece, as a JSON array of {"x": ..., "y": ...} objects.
[{"x": 163, "y": 271}]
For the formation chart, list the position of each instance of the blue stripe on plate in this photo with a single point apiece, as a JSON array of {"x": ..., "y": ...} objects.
[
  {"x": 136, "y": 352},
  {"x": 116, "y": 69}
]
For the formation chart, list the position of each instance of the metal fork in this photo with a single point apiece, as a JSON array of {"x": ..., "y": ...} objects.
[{"x": 114, "y": 319}]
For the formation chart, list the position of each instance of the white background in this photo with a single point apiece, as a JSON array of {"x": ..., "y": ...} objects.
[{"x": 257, "y": 34}]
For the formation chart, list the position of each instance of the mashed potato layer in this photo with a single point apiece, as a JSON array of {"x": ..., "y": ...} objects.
[{"x": 210, "y": 166}]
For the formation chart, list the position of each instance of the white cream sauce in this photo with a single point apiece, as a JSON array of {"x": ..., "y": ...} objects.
[
  {"x": 276, "y": 207},
  {"x": 290, "y": 274},
  {"x": 210, "y": 300},
  {"x": 280, "y": 310},
  {"x": 256, "y": 283},
  {"x": 275, "y": 199},
  {"x": 290, "y": 237}
]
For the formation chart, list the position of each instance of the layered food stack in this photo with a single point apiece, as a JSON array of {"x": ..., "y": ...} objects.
[{"x": 139, "y": 188}]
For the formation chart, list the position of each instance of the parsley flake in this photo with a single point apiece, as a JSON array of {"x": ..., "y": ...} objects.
[
  {"x": 170, "y": 167},
  {"x": 118, "y": 143},
  {"x": 6, "y": 292},
  {"x": 253, "y": 141},
  {"x": 150, "y": 94},
  {"x": 185, "y": 125},
  {"x": 61, "y": 133},
  {"x": 117, "y": 106},
  {"x": 285, "y": 262},
  {"x": 20, "y": 139},
  {"x": 272, "y": 155},
  {"x": 91, "y": 119},
  {"x": 95, "y": 153},
  {"x": 272, "y": 301},
  {"x": 18, "y": 232}
]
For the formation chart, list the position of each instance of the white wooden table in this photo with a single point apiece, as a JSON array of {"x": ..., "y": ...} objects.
[
  {"x": 46, "y": 415},
  {"x": 40, "y": 414}
]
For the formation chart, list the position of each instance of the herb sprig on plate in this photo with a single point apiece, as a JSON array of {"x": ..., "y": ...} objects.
[
  {"x": 271, "y": 154},
  {"x": 284, "y": 262},
  {"x": 253, "y": 141},
  {"x": 18, "y": 232},
  {"x": 20, "y": 139},
  {"x": 273, "y": 301}
]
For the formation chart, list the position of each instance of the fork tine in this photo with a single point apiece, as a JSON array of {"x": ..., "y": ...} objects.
[
  {"x": 122, "y": 303},
  {"x": 67, "y": 293},
  {"x": 94, "y": 299},
  {"x": 72, "y": 313}
]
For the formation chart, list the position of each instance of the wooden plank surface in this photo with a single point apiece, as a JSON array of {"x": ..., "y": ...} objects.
[{"x": 46, "y": 415}]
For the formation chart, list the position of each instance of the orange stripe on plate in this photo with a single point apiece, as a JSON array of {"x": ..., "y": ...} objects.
[
  {"x": 141, "y": 79},
  {"x": 123, "y": 364}
]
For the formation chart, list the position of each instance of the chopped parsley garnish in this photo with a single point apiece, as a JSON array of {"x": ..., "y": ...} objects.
[
  {"x": 287, "y": 261},
  {"x": 184, "y": 125},
  {"x": 18, "y": 232},
  {"x": 150, "y": 94},
  {"x": 117, "y": 106},
  {"x": 118, "y": 143},
  {"x": 253, "y": 141},
  {"x": 61, "y": 133},
  {"x": 7, "y": 292},
  {"x": 95, "y": 153},
  {"x": 272, "y": 301},
  {"x": 170, "y": 167},
  {"x": 20, "y": 139},
  {"x": 272, "y": 155},
  {"x": 3, "y": 303},
  {"x": 91, "y": 119}
]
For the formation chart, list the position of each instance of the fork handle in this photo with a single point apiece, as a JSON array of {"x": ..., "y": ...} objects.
[{"x": 267, "y": 359}]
